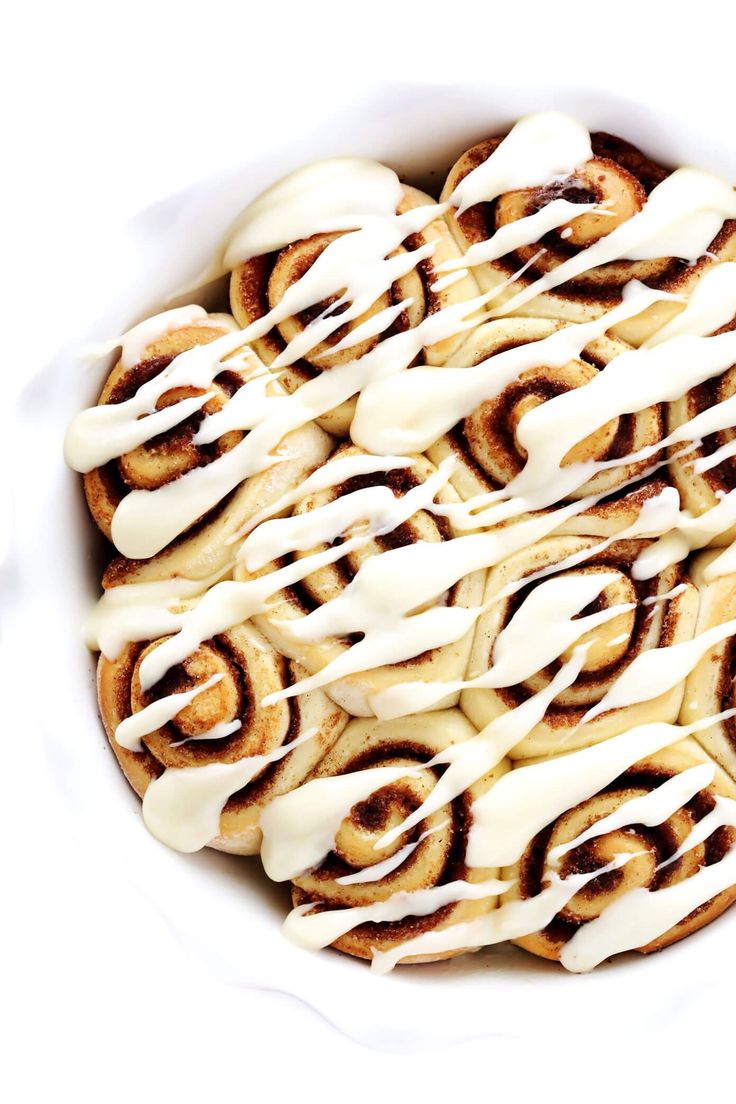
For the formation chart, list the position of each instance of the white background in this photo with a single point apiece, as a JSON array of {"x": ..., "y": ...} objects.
[{"x": 107, "y": 108}]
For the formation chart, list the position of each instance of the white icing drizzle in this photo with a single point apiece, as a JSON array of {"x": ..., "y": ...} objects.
[
  {"x": 725, "y": 564},
  {"x": 656, "y": 513},
  {"x": 410, "y": 411},
  {"x": 653, "y": 599},
  {"x": 142, "y": 611},
  {"x": 378, "y": 507},
  {"x": 630, "y": 382},
  {"x": 648, "y": 809},
  {"x": 134, "y": 342},
  {"x": 318, "y": 929},
  {"x": 119, "y": 434},
  {"x": 712, "y": 304},
  {"x": 182, "y": 807},
  {"x": 133, "y": 612},
  {"x": 514, "y": 810},
  {"x": 705, "y": 463},
  {"x": 350, "y": 262},
  {"x": 722, "y": 815},
  {"x": 299, "y": 827},
  {"x": 226, "y": 605},
  {"x": 536, "y": 151},
  {"x": 525, "y": 230},
  {"x": 642, "y": 915},
  {"x": 470, "y": 760},
  {"x": 511, "y": 920},
  {"x": 681, "y": 218},
  {"x": 378, "y": 602},
  {"x": 543, "y": 627},
  {"x": 448, "y": 280},
  {"x": 260, "y": 397},
  {"x": 146, "y": 521},
  {"x": 329, "y": 800},
  {"x": 132, "y": 729},
  {"x": 220, "y": 731},
  {"x": 380, "y": 870},
  {"x": 338, "y": 193},
  {"x": 658, "y": 670},
  {"x": 525, "y": 800},
  {"x": 353, "y": 262},
  {"x": 637, "y": 917},
  {"x": 331, "y": 474},
  {"x": 420, "y": 573},
  {"x": 687, "y": 535},
  {"x": 101, "y": 433}
]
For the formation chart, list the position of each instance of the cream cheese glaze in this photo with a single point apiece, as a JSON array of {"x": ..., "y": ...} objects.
[{"x": 395, "y": 605}]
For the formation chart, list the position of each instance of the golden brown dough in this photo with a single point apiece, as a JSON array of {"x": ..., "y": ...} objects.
[
  {"x": 489, "y": 454},
  {"x": 251, "y": 669},
  {"x": 204, "y": 550},
  {"x": 649, "y": 846},
  {"x": 649, "y": 624},
  {"x": 709, "y": 688},
  {"x": 353, "y": 692},
  {"x": 437, "y": 859},
  {"x": 620, "y": 177},
  {"x": 259, "y": 284}
]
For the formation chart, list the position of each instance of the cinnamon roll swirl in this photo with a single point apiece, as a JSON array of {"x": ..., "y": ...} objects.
[
  {"x": 644, "y": 614},
  {"x": 615, "y": 183},
  {"x": 654, "y": 855},
  {"x": 223, "y": 724},
  {"x": 353, "y": 692},
  {"x": 704, "y": 473},
  {"x": 431, "y": 854},
  {"x": 204, "y": 549},
  {"x": 489, "y": 454},
  {"x": 259, "y": 284},
  {"x": 171, "y": 454},
  {"x": 709, "y": 688}
]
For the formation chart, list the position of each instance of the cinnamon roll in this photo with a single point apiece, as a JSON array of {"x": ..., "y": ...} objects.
[
  {"x": 321, "y": 586},
  {"x": 204, "y": 548},
  {"x": 225, "y": 723},
  {"x": 489, "y": 454},
  {"x": 431, "y": 854},
  {"x": 258, "y": 285},
  {"x": 707, "y": 471},
  {"x": 644, "y": 614},
  {"x": 168, "y": 455},
  {"x": 709, "y": 688},
  {"x": 614, "y": 184},
  {"x": 654, "y": 862}
]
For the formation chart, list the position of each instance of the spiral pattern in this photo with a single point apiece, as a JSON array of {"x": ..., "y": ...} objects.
[
  {"x": 354, "y": 691},
  {"x": 440, "y": 839},
  {"x": 613, "y": 645},
  {"x": 702, "y": 490},
  {"x": 649, "y": 847},
  {"x": 171, "y": 454},
  {"x": 249, "y": 669},
  {"x": 259, "y": 284},
  {"x": 618, "y": 177},
  {"x": 204, "y": 549},
  {"x": 487, "y": 449},
  {"x": 709, "y": 688}
]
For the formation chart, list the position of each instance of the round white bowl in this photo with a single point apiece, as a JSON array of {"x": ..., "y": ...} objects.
[{"x": 224, "y": 907}]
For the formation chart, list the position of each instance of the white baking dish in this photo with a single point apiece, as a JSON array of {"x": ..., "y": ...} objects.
[{"x": 224, "y": 907}]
